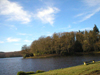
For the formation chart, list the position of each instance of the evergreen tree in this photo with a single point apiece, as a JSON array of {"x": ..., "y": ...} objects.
[{"x": 95, "y": 29}]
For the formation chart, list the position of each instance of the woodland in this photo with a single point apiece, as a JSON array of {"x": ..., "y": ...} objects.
[{"x": 64, "y": 43}]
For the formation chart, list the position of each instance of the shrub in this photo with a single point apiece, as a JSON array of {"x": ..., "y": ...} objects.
[
  {"x": 31, "y": 72},
  {"x": 39, "y": 71},
  {"x": 28, "y": 55},
  {"x": 21, "y": 73},
  {"x": 63, "y": 52},
  {"x": 31, "y": 54},
  {"x": 24, "y": 56}
]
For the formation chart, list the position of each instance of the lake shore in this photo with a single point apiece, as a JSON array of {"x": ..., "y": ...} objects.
[
  {"x": 45, "y": 56},
  {"x": 71, "y": 54},
  {"x": 90, "y": 69}
]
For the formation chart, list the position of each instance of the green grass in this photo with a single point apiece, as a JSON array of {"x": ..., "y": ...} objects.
[{"x": 91, "y": 69}]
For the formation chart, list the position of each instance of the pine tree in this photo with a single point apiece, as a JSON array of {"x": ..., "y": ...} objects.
[{"x": 95, "y": 29}]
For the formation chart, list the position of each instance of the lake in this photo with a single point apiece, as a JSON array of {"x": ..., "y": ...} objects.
[{"x": 10, "y": 66}]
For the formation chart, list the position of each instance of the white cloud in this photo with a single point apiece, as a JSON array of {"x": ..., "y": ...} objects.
[
  {"x": 66, "y": 28},
  {"x": 78, "y": 15},
  {"x": 24, "y": 34},
  {"x": 93, "y": 6},
  {"x": 13, "y": 39},
  {"x": 16, "y": 44},
  {"x": 21, "y": 33},
  {"x": 86, "y": 29},
  {"x": 49, "y": 34},
  {"x": 92, "y": 3},
  {"x": 90, "y": 15},
  {"x": 27, "y": 40},
  {"x": 14, "y": 11},
  {"x": 12, "y": 26},
  {"x": 69, "y": 26},
  {"x": 47, "y": 15},
  {"x": 1, "y": 41}
]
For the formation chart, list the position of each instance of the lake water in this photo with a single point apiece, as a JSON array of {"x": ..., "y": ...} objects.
[{"x": 10, "y": 66}]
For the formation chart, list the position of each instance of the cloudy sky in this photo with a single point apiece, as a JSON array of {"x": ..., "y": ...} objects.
[{"x": 23, "y": 21}]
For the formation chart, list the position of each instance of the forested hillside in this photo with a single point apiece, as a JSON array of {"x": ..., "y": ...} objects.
[{"x": 65, "y": 43}]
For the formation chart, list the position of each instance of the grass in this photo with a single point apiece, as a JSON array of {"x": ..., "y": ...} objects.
[{"x": 91, "y": 69}]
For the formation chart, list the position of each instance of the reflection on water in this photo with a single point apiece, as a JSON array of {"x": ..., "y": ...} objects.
[{"x": 10, "y": 66}]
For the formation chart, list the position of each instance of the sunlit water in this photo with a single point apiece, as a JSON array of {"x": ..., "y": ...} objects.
[{"x": 10, "y": 66}]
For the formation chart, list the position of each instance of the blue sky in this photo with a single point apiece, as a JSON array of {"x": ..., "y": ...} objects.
[{"x": 23, "y": 21}]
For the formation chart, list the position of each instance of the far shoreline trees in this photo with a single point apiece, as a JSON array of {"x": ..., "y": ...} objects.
[
  {"x": 10, "y": 54},
  {"x": 65, "y": 43}
]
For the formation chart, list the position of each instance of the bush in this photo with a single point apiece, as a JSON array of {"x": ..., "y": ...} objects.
[
  {"x": 28, "y": 55},
  {"x": 31, "y": 54},
  {"x": 21, "y": 73},
  {"x": 31, "y": 72},
  {"x": 63, "y": 53},
  {"x": 24, "y": 56},
  {"x": 39, "y": 71}
]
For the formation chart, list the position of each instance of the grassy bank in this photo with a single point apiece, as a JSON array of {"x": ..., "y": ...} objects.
[{"x": 91, "y": 69}]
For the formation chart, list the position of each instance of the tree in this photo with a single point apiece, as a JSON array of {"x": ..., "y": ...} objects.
[
  {"x": 80, "y": 37},
  {"x": 55, "y": 43},
  {"x": 86, "y": 46},
  {"x": 97, "y": 46},
  {"x": 78, "y": 46},
  {"x": 26, "y": 51},
  {"x": 70, "y": 41},
  {"x": 93, "y": 38},
  {"x": 64, "y": 43},
  {"x": 95, "y": 29}
]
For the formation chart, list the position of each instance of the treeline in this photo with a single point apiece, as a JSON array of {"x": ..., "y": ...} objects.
[
  {"x": 65, "y": 43},
  {"x": 10, "y": 54}
]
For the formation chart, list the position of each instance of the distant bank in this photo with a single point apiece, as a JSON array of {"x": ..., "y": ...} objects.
[{"x": 10, "y": 54}]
